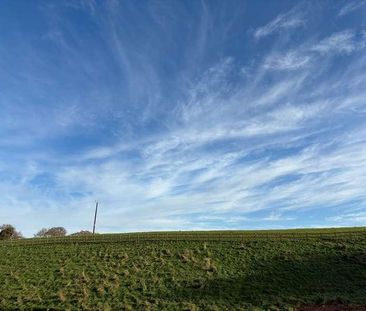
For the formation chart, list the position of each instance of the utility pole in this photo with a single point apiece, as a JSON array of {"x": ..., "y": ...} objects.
[{"x": 95, "y": 215}]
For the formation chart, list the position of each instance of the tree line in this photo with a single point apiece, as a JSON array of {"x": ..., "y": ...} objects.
[{"x": 9, "y": 232}]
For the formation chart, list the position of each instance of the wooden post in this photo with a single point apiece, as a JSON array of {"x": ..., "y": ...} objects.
[{"x": 95, "y": 216}]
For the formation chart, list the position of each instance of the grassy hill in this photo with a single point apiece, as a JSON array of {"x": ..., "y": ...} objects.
[{"x": 219, "y": 270}]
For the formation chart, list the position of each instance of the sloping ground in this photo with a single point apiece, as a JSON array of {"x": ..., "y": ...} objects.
[
  {"x": 332, "y": 307},
  {"x": 228, "y": 235},
  {"x": 186, "y": 271}
]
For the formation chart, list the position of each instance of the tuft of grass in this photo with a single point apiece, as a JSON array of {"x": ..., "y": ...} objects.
[
  {"x": 209, "y": 265},
  {"x": 100, "y": 290},
  {"x": 61, "y": 296}
]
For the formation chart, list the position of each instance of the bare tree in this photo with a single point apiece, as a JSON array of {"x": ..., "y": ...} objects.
[{"x": 41, "y": 233}]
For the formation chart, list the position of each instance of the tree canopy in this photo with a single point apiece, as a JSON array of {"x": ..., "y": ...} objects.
[
  {"x": 8, "y": 232},
  {"x": 51, "y": 232}
]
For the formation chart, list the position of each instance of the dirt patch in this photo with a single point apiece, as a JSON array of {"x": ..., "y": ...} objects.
[{"x": 331, "y": 307}]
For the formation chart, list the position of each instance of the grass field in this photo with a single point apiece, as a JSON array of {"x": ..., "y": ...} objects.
[{"x": 221, "y": 270}]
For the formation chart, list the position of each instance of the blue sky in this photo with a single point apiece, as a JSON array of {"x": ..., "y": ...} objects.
[{"x": 182, "y": 115}]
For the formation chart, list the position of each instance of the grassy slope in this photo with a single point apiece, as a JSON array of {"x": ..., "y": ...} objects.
[{"x": 112, "y": 272}]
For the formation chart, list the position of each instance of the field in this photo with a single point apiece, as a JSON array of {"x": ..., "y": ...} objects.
[{"x": 227, "y": 270}]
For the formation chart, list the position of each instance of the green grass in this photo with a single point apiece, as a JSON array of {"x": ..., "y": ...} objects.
[{"x": 221, "y": 270}]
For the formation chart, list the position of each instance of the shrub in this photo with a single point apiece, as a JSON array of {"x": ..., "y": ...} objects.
[{"x": 82, "y": 232}]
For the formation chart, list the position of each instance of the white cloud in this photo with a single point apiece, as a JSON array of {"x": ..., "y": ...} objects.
[
  {"x": 355, "y": 218},
  {"x": 351, "y": 6},
  {"x": 174, "y": 161},
  {"x": 309, "y": 53},
  {"x": 277, "y": 216},
  {"x": 342, "y": 42},
  {"x": 291, "y": 19},
  {"x": 289, "y": 61}
]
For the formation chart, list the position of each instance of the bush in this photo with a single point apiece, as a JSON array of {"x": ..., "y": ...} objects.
[
  {"x": 51, "y": 232},
  {"x": 8, "y": 232},
  {"x": 82, "y": 232}
]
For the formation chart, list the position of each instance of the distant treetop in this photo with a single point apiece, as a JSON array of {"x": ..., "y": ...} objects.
[{"x": 51, "y": 232}]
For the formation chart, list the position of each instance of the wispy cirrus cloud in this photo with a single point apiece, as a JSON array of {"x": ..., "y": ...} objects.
[
  {"x": 177, "y": 164},
  {"x": 350, "y": 7},
  {"x": 340, "y": 42},
  {"x": 291, "y": 19},
  {"x": 169, "y": 139},
  {"x": 289, "y": 61},
  {"x": 356, "y": 218}
]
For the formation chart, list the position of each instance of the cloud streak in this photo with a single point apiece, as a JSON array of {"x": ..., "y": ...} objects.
[
  {"x": 282, "y": 22},
  {"x": 351, "y": 7}
]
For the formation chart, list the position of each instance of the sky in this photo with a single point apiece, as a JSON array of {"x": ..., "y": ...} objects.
[{"x": 182, "y": 115}]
